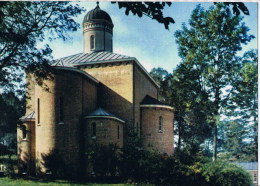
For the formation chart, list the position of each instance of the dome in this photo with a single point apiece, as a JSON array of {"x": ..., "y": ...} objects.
[{"x": 97, "y": 14}]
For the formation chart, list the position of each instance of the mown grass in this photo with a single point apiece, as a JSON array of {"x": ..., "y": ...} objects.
[{"x": 4, "y": 181}]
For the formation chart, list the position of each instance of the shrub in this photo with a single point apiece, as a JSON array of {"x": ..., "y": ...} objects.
[
  {"x": 104, "y": 159},
  {"x": 225, "y": 174},
  {"x": 4, "y": 149}
]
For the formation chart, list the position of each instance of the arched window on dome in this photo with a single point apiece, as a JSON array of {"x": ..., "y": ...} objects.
[
  {"x": 160, "y": 124},
  {"x": 92, "y": 42}
]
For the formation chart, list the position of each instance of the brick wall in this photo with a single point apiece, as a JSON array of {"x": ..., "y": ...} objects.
[
  {"x": 79, "y": 97},
  {"x": 152, "y": 136},
  {"x": 106, "y": 131},
  {"x": 142, "y": 86},
  {"x": 116, "y": 87}
]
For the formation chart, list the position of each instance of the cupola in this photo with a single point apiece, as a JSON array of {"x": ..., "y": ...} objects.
[{"x": 97, "y": 31}]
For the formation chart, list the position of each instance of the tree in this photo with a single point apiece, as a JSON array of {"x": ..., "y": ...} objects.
[
  {"x": 192, "y": 106},
  {"x": 154, "y": 10},
  {"x": 23, "y": 25},
  {"x": 182, "y": 90},
  {"x": 237, "y": 142},
  {"x": 162, "y": 78},
  {"x": 243, "y": 106},
  {"x": 11, "y": 109},
  {"x": 209, "y": 46}
]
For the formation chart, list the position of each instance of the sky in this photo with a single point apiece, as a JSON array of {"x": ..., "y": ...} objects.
[{"x": 144, "y": 38}]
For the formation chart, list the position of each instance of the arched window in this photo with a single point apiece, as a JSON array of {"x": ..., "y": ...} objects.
[
  {"x": 38, "y": 110},
  {"x": 23, "y": 128},
  {"x": 94, "y": 129},
  {"x": 61, "y": 109},
  {"x": 92, "y": 42},
  {"x": 160, "y": 124}
]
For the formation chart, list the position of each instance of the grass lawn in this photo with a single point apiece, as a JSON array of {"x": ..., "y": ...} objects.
[{"x": 23, "y": 182}]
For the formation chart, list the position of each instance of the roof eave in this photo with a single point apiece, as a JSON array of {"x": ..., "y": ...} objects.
[
  {"x": 107, "y": 117},
  {"x": 78, "y": 71}
]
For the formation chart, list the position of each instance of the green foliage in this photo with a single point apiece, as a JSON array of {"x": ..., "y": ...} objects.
[
  {"x": 240, "y": 132},
  {"x": 163, "y": 79},
  {"x": 208, "y": 49},
  {"x": 183, "y": 91},
  {"x": 104, "y": 159},
  {"x": 40, "y": 182},
  {"x": 193, "y": 107},
  {"x": 23, "y": 25},
  {"x": 153, "y": 10},
  {"x": 237, "y": 142},
  {"x": 244, "y": 87},
  {"x": 11, "y": 109},
  {"x": 224, "y": 174},
  {"x": 10, "y": 163},
  {"x": 212, "y": 81},
  {"x": 4, "y": 150},
  {"x": 132, "y": 155},
  {"x": 237, "y": 7}
]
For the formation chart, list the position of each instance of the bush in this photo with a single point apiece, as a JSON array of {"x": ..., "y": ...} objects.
[
  {"x": 4, "y": 149},
  {"x": 225, "y": 174},
  {"x": 104, "y": 159}
]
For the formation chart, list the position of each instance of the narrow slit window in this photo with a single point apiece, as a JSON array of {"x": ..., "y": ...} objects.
[
  {"x": 160, "y": 123},
  {"x": 38, "y": 110},
  {"x": 94, "y": 129},
  {"x": 118, "y": 132},
  {"x": 61, "y": 109},
  {"x": 24, "y": 131},
  {"x": 92, "y": 42}
]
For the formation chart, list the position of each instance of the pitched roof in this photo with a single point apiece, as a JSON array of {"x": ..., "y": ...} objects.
[
  {"x": 96, "y": 58},
  {"x": 148, "y": 100},
  {"x": 101, "y": 113},
  {"x": 85, "y": 58},
  {"x": 29, "y": 117},
  {"x": 248, "y": 165}
]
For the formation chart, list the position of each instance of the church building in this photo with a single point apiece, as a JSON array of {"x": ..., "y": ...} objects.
[{"x": 93, "y": 97}]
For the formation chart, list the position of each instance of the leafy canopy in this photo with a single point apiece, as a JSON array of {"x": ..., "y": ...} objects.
[
  {"x": 23, "y": 25},
  {"x": 208, "y": 48}
]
